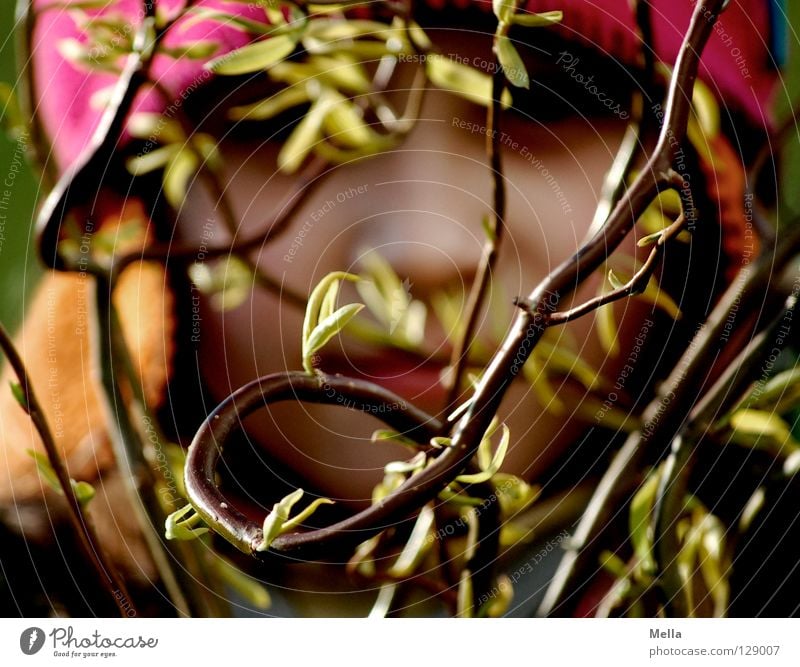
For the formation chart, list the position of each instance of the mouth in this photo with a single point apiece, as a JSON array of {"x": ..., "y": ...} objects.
[{"x": 412, "y": 378}]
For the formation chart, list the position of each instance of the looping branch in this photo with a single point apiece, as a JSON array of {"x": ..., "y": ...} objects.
[{"x": 206, "y": 449}]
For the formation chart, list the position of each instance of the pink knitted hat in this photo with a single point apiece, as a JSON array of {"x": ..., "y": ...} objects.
[{"x": 736, "y": 63}]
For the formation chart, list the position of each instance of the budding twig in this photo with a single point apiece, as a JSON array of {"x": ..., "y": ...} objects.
[{"x": 90, "y": 545}]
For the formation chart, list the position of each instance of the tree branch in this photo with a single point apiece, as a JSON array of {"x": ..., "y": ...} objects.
[{"x": 89, "y": 544}]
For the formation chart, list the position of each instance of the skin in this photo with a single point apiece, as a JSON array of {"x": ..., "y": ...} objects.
[{"x": 420, "y": 206}]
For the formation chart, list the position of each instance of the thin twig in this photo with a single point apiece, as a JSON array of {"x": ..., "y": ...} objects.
[
  {"x": 491, "y": 246},
  {"x": 671, "y": 494},
  {"x": 663, "y": 417},
  {"x": 636, "y": 285},
  {"x": 617, "y": 177},
  {"x": 90, "y": 545},
  {"x": 528, "y": 328}
]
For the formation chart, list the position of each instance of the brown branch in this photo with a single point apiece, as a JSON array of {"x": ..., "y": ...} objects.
[
  {"x": 671, "y": 495},
  {"x": 617, "y": 177},
  {"x": 636, "y": 285},
  {"x": 110, "y": 582},
  {"x": 527, "y": 330},
  {"x": 480, "y": 285},
  {"x": 663, "y": 417},
  {"x": 206, "y": 449}
]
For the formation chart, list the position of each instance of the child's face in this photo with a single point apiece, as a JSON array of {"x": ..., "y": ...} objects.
[{"x": 420, "y": 206}]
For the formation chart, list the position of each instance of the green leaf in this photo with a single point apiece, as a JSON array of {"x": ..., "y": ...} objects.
[
  {"x": 307, "y": 512},
  {"x": 250, "y": 589},
  {"x": 416, "y": 547},
  {"x": 763, "y": 429},
  {"x": 273, "y": 523},
  {"x": 639, "y": 523},
  {"x": 660, "y": 299},
  {"x": 650, "y": 239},
  {"x": 463, "y": 80},
  {"x": 758, "y": 422},
  {"x": 500, "y": 604},
  {"x": 515, "y": 494},
  {"x": 178, "y": 174},
  {"x": 418, "y": 36},
  {"x": 441, "y": 442},
  {"x": 559, "y": 358},
  {"x": 615, "y": 282},
  {"x": 345, "y": 124},
  {"x": 511, "y": 62},
  {"x": 489, "y": 228},
  {"x": 255, "y": 57},
  {"x": 535, "y": 373},
  {"x": 336, "y": 30},
  {"x": 339, "y": 71},
  {"x": 305, "y": 136},
  {"x": 271, "y": 106},
  {"x": 488, "y": 467},
  {"x": 504, "y": 10},
  {"x": 228, "y": 282},
  {"x": 277, "y": 521},
  {"x": 153, "y": 126},
  {"x": 613, "y": 564},
  {"x": 405, "y": 467},
  {"x": 329, "y": 301},
  {"x": 152, "y": 160},
  {"x": 182, "y": 525},
  {"x": 540, "y": 20},
  {"x": 199, "y": 14},
  {"x": 321, "y": 294},
  {"x": 607, "y": 330},
  {"x": 14, "y": 123},
  {"x": 199, "y": 50},
  {"x": 464, "y": 606},
  {"x": 46, "y": 470},
  {"x": 388, "y": 435},
  {"x": 84, "y": 491},
  {"x": 327, "y": 329},
  {"x": 19, "y": 395}
]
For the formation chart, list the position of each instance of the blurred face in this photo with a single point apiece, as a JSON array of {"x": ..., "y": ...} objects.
[{"x": 420, "y": 207}]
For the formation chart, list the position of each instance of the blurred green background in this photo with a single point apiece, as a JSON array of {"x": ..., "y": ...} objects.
[{"x": 19, "y": 267}]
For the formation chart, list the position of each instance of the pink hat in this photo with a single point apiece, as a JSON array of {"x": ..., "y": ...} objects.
[{"x": 736, "y": 62}]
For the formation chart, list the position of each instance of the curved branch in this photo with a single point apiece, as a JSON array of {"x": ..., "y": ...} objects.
[{"x": 206, "y": 449}]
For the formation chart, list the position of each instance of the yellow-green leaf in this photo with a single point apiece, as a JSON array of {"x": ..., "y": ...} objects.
[
  {"x": 180, "y": 170},
  {"x": 255, "y": 57},
  {"x": 511, "y": 62},
  {"x": 305, "y": 136},
  {"x": 493, "y": 465},
  {"x": 463, "y": 80},
  {"x": 504, "y": 10},
  {"x": 183, "y": 525},
  {"x": 540, "y": 20},
  {"x": 273, "y": 523},
  {"x": 271, "y": 106},
  {"x": 152, "y": 160}
]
